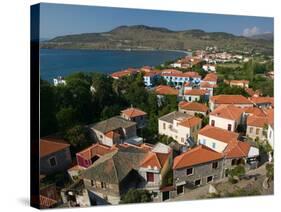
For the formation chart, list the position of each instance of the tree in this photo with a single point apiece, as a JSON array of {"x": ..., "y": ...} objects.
[
  {"x": 66, "y": 118},
  {"x": 78, "y": 137},
  {"x": 48, "y": 122},
  {"x": 235, "y": 173},
  {"x": 136, "y": 196}
]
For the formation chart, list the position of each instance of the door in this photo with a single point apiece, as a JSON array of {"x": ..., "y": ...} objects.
[
  {"x": 165, "y": 195},
  {"x": 180, "y": 189}
]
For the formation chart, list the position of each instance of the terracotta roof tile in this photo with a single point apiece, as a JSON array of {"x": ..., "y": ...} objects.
[
  {"x": 193, "y": 106},
  {"x": 257, "y": 121},
  {"x": 207, "y": 85},
  {"x": 133, "y": 112},
  {"x": 218, "y": 134},
  {"x": 46, "y": 202},
  {"x": 211, "y": 77},
  {"x": 195, "y": 92},
  {"x": 262, "y": 100},
  {"x": 95, "y": 150},
  {"x": 124, "y": 73},
  {"x": 230, "y": 99},
  {"x": 112, "y": 135},
  {"x": 190, "y": 122},
  {"x": 255, "y": 111},
  {"x": 166, "y": 90},
  {"x": 51, "y": 145},
  {"x": 228, "y": 112},
  {"x": 237, "y": 149},
  {"x": 198, "y": 155}
]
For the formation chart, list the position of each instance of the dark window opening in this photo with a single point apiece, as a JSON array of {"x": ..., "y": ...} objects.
[
  {"x": 53, "y": 161},
  {"x": 150, "y": 177},
  {"x": 215, "y": 165},
  {"x": 197, "y": 182},
  {"x": 189, "y": 171}
]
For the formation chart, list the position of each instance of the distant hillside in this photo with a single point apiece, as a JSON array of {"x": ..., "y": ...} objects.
[
  {"x": 264, "y": 36},
  {"x": 144, "y": 37}
]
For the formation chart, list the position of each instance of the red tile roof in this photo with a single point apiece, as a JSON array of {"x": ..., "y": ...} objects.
[
  {"x": 190, "y": 122},
  {"x": 218, "y": 134},
  {"x": 46, "y": 202},
  {"x": 257, "y": 121},
  {"x": 155, "y": 159},
  {"x": 255, "y": 111},
  {"x": 237, "y": 149},
  {"x": 95, "y": 150},
  {"x": 195, "y": 92},
  {"x": 239, "y": 81},
  {"x": 207, "y": 85},
  {"x": 133, "y": 112},
  {"x": 193, "y": 106},
  {"x": 270, "y": 116},
  {"x": 166, "y": 90},
  {"x": 198, "y": 155},
  {"x": 124, "y": 73},
  {"x": 51, "y": 145},
  {"x": 112, "y": 135},
  {"x": 211, "y": 77},
  {"x": 230, "y": 99},
  {"x": 228, "y": 112},
  {"x": 262, "y": 100}
]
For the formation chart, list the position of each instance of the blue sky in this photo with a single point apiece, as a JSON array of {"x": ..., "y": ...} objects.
[{"x": 59, "y": 19}]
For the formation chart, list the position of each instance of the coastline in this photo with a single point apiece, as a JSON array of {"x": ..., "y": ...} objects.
[{"x": 125, "y": 50}]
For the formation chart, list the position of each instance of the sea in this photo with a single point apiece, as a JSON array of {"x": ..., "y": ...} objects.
[{"x": 61, "y": 62}]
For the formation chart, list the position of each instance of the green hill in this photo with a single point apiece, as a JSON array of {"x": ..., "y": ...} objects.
[{"x": 142, "y": 37}]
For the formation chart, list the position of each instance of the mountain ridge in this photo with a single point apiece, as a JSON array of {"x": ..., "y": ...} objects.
[{"x": 142, "y": 37}]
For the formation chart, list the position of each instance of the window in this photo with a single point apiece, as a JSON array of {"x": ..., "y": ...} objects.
[
  {"x": 189, "y": 98},
  {"x": 251, "y": 129},
  {"x": 180, "y": 189},
  {"x": 270, "y": 134},
  {"x": 233, "y": 162},
  {"x": 197, "y": 182},
  {"x": 101, "y": 136},
  {"x": 182, "y": 140},
  {"x": 257, "y": 131},
  {"x": 213, "y": 123},
  {"x": 229, "y": 127},
  {"x": 103, "y": 185},
  {"x": 189, "y": 171},
  {"x": 93, "y": 183},
  {"x": 53, "y": 161},
  {"x": 215, "y": 165},
  {"x": 214, "y": 145},
  {"x": 209, "y": 179},
  {"x": 203, "y": 141},
  {"x": 164, "y": 126},
  {"x": 150, "y": 177}
]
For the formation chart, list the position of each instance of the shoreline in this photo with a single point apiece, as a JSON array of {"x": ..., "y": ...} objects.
[{"x": 123, "y": 50}]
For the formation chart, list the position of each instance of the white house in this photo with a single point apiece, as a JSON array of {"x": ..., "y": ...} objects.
[
  {"x": 195, "y": 95},
  {"x": 208, "y": 87},
  {"x": 178, "y": 78},
  {"x": 209, "y": 67},
  {"x": 211, "y": 78},
  {"x": 180, "y": 126},
  {"x": 149, "y": 78},
  {"x": 192, "y": 108},
  {"x": 270, "y": 129},
  {"x": 59, "y": 81},
  {"x": 227, "y": 117},
  {"x": 216, "y": 138}
]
